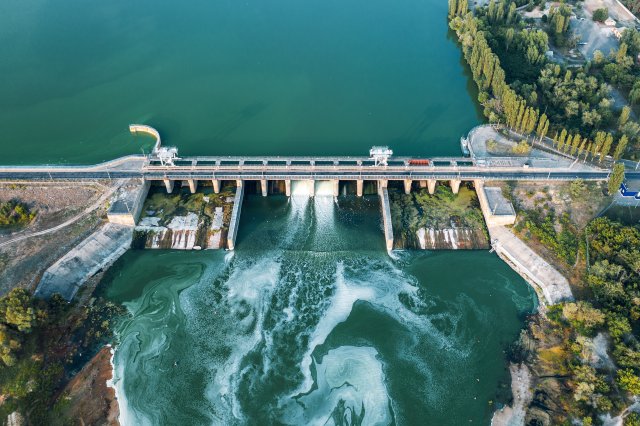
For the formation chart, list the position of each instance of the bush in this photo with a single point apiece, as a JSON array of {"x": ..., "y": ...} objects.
[
  {"x": 14, "y": 213},
  {"x": 521, "y": 148},
  {"x": 600, "y": 15}
]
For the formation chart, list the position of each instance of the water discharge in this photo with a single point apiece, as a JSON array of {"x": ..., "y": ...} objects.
[{"x": 310, "y": 322}]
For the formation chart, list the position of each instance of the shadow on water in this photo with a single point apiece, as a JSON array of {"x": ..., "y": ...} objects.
[{"x": 472, "y": 88}]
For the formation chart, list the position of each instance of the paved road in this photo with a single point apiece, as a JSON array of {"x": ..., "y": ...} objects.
[
  {"x": 440, "y": 174},
  {"x": 254, "y": 169}
]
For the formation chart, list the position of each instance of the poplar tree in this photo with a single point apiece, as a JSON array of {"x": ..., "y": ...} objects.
[
  {"x": 624, "y": 116},
  {"x": 463, "y": 7},
  {"x": 581, "y": 147},
  {"x": 543, "y": 126},
  {"x": 622, "y": 145},
  {"x": 569, "y": 143},
  {"x": 512, "y": 12},
  {"x": 575, "y": 144},
  {"x": 599, "y": 141},
  {"x": 453, "y": 7},
  {"x": 606, "y": 147},
  {"x": 563, "y": 136}
]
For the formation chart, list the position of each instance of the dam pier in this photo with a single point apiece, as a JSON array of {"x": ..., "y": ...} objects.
[{"x": 356, "y": 175}]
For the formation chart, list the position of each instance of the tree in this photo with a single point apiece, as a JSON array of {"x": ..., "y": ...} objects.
[
  {"x": 600, "y": 15},
  {"x": 512, "y": 12},
  {"x": 598, "y": 57},
  {"x": 606, "y": 147},
  {"x": 634, "y": 94},
  {"x": 9, "y": 345},
  {"x": 561, "y": 141},
  {"x": 17, "y": 309},
  {"x": 577, "y": 188},
  {"x": 622, "y": 145},
  {"x": 583, "y": 316},
  {"x": 453, "y": 8},
  {"x": 575, "y": 144},
  {"x": 624, "y": 116},
  {"x": 631, "y": 37},
  {"x": 628, "y": 381},
  {"x": 616, "y": 178},
  {"x": 633, "y": 419},
  {"x": 508, "y": 38},
  {"x": 543, "y": 126}
]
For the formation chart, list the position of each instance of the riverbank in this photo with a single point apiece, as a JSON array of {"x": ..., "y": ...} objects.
[{"x": 87, "y": 398}]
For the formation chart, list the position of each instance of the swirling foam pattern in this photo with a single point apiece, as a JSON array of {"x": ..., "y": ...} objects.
[{"x": 310, "y": 322}]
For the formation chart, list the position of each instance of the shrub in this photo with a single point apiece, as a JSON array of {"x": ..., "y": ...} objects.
[{"x": 600, "y": 15}]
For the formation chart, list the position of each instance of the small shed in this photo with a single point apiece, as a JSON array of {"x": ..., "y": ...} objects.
[{"x": 610, "y": 22}]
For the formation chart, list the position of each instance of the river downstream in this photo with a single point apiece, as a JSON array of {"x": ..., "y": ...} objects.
[{"x": 310, "y": 320}]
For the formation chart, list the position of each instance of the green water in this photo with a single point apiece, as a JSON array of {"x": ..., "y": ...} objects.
[
  {"x": 281, "y": 77},
  {"x": 311, "y": 320}
]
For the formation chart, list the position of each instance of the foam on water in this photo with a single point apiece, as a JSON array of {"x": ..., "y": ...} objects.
[
  {"x": 266, "y": 337},
  {"x": 349, "y": 389},
  {"x": 341, "y": 304}
]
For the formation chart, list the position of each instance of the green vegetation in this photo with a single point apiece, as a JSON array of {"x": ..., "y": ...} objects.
[
  {"x": 616, "y": 178},
  {"x": 167, "y": 206},
  {"x": 520, "y": 88},
  {"x": 39, "y": 340},
  {"x": 15, "y": 213},
  {"x": 608, "y": 301},
  {"x": 600, "y": 15},
  {"x": 522, "y": 148},
  {"x": 441, "y": 210},
  {"x": 542, "y": 225}
]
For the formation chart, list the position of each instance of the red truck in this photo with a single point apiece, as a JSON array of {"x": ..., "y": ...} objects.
[{"x": 418, "y": 162}]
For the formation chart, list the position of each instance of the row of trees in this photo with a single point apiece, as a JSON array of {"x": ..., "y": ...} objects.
[
  {"x": 575, "y": 145},
  {"x": 571, "y": 100}
]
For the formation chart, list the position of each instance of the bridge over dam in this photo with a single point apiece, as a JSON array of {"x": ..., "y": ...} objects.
[{"x": 164, "y": 166}]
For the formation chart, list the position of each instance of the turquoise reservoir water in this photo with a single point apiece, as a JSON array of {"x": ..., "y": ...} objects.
[
  {"x": 281, "y": 77},
  {"x": 311, "y": 322}
]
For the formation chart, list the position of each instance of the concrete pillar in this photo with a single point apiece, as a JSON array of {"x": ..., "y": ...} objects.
[
  {"x": 168, "y": 183},
  {"x": 239, "y": 183},
  {"x": 287, "y": 187},
  {"x": 264, "y": 186},
  {"x": 312, "y": 188},
  {"x": 407, "y": 186},
  {"x": 455, "y": 185},
  {"x": 382, "y": 183},
  {"x": 336, "y": 187},
  {"x": 423, "y": 184},
  {"x": 386, "y": 218},
  {"x": 359, "y": 187},
  {"x": 234, "y": 223},
  {"x": 193, "y": 185},
  {"x": 216, "y": 186},
  {"x": 431, "y": 186}
]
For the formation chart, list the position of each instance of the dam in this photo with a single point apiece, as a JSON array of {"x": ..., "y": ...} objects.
[{"x": 164, "y": 165}]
